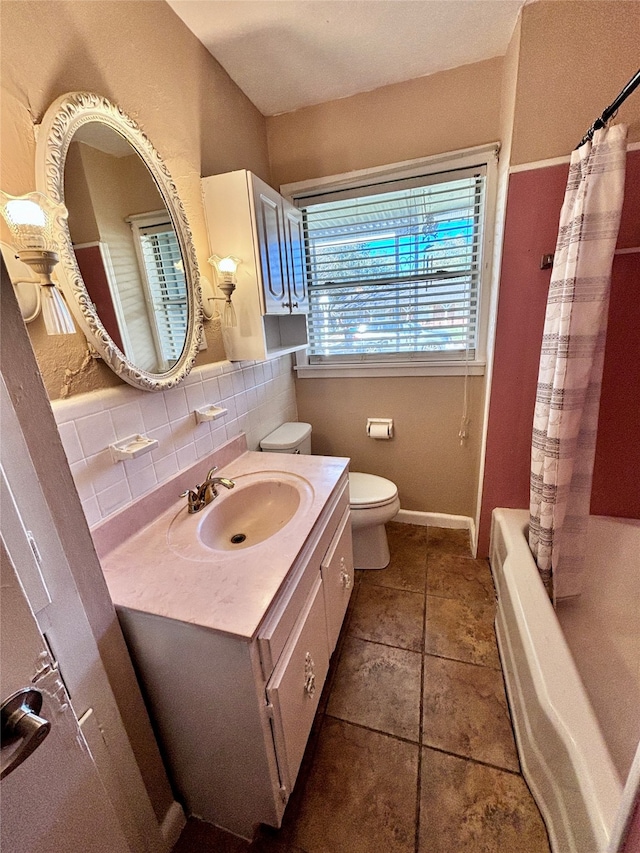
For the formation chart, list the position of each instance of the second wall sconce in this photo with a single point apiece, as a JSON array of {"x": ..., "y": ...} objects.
[
  {"x": 225, "y": 274},
  {"x": 34, "y": 220}
]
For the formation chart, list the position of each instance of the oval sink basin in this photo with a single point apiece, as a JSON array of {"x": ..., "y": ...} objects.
[
  {"x": 257, "y": 508},
  {"x": 248, "y": 515}
]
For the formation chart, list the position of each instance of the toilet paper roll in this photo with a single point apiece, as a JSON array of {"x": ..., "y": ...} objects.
[{"x": 379, "y": 430}]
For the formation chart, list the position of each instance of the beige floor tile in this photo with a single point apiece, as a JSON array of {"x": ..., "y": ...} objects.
[
  {"x": 450, "y": 576},
  {"x": 465, "y": 712},
  {"x": 379, "y": 687},
  {"x": 444, "y": 540},
  {"x": 470, "y": 808},
  {"x": 201, "y": 837},
  {"x": 406, "y": 535},
  {"x": 462, "y": 630},
  {"x": 360, "y": 796},
  {"x": 391, "y": 616},
  {"x": 408, "y": 548},
  {"x": 408, "y": 566}
]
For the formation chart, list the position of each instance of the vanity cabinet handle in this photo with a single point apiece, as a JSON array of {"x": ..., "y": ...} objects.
[
  {"x": 309, "y": 675},
  {"x": 345, "y": 577}
]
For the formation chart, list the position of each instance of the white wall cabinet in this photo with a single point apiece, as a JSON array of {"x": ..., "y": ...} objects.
[
  {"x": 234, "y": 714},
  {"x": 249, "y": 219}
]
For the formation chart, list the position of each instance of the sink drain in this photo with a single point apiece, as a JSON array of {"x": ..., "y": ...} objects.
[{"x": 237, "y": 538}]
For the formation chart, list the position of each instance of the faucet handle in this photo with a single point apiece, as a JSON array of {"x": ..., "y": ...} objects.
[
  {"x": 193, "y": 501},
  {"x": 212, "y": 472}
]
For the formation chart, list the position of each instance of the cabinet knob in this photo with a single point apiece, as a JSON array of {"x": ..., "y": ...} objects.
[
  {"x": 294, "y": 304},
  {"x": 286, "y": 305},
  {"x": 309, "y": 675}
]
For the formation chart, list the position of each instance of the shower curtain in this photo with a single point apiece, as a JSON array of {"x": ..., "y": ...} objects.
[{"x": 571, "y": 361}]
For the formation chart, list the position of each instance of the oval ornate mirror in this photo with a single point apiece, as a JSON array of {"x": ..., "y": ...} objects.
[{"x": 127, "y": 263}]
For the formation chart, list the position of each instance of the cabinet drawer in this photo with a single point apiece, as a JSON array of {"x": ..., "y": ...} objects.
[
  {"x": 296, "y": 684},
  {"x": 337, "y": 579}
]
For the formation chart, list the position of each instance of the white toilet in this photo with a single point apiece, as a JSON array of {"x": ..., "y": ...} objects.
[{"x": 374, "y": 500}]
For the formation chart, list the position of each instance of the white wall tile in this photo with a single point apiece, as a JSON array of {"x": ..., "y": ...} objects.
[
  {"x": 211, "y": 389},
  {"x": 176, "y": 402},
  {"x": 154, "y": 410},
  {"x": 258, "y": 397},
  {"x": 186, "y": 456},
  {"x": 71, "y": 442},
  {"x": 127, "y": 420},
  {"x": 144, "y": 481},
  {"x": 114, "y": 498},
  {"x": 95, "y": 432}
]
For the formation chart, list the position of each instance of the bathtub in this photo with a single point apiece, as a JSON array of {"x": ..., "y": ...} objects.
[{"x": 564, "y": 756}]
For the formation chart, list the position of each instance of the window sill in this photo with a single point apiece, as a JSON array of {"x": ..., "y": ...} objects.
[{"x": 372, "y": 369}]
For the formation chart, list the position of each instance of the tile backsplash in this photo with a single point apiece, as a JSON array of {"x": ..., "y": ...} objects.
[{"x": 258, "y": 396}]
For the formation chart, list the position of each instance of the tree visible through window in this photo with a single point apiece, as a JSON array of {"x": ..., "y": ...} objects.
[{"x": 394, "y": 272}]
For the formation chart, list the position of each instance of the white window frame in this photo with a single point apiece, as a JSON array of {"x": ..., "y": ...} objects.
[
  {"x": 138, "y": 222},
  {"x": 485, "y": 155}
]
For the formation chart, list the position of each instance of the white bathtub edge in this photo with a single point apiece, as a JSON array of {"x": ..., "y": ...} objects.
[{"x": 556, "y": 692}]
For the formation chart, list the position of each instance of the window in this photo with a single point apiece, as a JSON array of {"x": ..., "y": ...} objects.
[
  {"x": 395, "y": 267},
  {"x": 165, "y": 284}
]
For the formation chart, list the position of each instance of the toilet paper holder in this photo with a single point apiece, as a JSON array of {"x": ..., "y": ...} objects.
[{"x": 381, "y": 428}]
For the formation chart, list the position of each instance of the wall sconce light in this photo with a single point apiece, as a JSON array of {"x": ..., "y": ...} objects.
[
  {"x": 33, "y": 220},
  {"x": 225, "y": 269}
]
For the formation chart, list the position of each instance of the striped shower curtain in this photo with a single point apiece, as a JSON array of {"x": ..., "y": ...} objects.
[{"x": 571, "y": 360}]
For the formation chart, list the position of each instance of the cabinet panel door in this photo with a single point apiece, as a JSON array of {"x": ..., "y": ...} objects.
[
  {"x": 296, "y": 684},
  {"x": 273, "y": 262},
  {"x": 296, "y": 263},
  {"x": 337, "y": 579}
]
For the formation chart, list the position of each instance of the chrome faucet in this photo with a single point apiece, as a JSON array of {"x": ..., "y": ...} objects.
[{"x": 202, "y": 495}]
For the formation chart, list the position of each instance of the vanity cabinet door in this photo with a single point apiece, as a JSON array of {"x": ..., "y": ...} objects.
[
  {"x": 337, "y": 579},
  {"x": 296, "y": 684}
]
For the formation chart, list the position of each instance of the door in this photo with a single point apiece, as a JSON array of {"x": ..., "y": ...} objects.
[
  {"x": 53, "y": 800},
  {"x": 296, "y": 684}
]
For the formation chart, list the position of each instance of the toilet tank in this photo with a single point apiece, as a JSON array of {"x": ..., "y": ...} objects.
[{"x": 288, "y": 438}]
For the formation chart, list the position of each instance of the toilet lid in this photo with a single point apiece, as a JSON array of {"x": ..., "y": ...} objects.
[{"x": 368, "y": 490}]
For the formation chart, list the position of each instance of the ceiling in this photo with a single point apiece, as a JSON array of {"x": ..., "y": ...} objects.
[{"x": 288, "y": 54}]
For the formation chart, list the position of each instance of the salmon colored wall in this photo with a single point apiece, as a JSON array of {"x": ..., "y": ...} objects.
[{"x": 533, "y": 212}]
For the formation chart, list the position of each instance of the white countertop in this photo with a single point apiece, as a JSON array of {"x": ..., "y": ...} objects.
[{"x": 223, "y": 590}]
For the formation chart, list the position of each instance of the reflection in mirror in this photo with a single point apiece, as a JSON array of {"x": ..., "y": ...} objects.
[
  {"x": 127, "y": 235},
  {"x": 126, "y": 248}
]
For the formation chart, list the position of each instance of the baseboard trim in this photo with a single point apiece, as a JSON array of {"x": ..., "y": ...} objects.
[
  {"x": 172, "y": 825},
  {"x": 438, "y": 519}
]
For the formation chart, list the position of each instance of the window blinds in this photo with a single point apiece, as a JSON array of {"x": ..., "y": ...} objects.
[
  {"x": 167, "y": 284},
  {"x": 394, "y": 270}
]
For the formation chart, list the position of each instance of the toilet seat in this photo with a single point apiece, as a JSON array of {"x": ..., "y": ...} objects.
[{"x": 367, "y": 491}]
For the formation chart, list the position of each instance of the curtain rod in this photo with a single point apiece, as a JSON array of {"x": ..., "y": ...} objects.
[{"x": 611, "y": 109}]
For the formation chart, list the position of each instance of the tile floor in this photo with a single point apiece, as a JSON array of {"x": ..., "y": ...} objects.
[{"x": 412, "y": 749}]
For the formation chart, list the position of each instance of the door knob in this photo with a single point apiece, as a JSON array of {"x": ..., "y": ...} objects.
[{"x": 20, "y": 721}]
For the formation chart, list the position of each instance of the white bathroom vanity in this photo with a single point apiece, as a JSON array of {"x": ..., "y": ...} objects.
[{"x": 232, "y": 644}]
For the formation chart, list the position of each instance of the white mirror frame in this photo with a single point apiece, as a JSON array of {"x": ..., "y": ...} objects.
[{"x": 63, "y": 118}]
